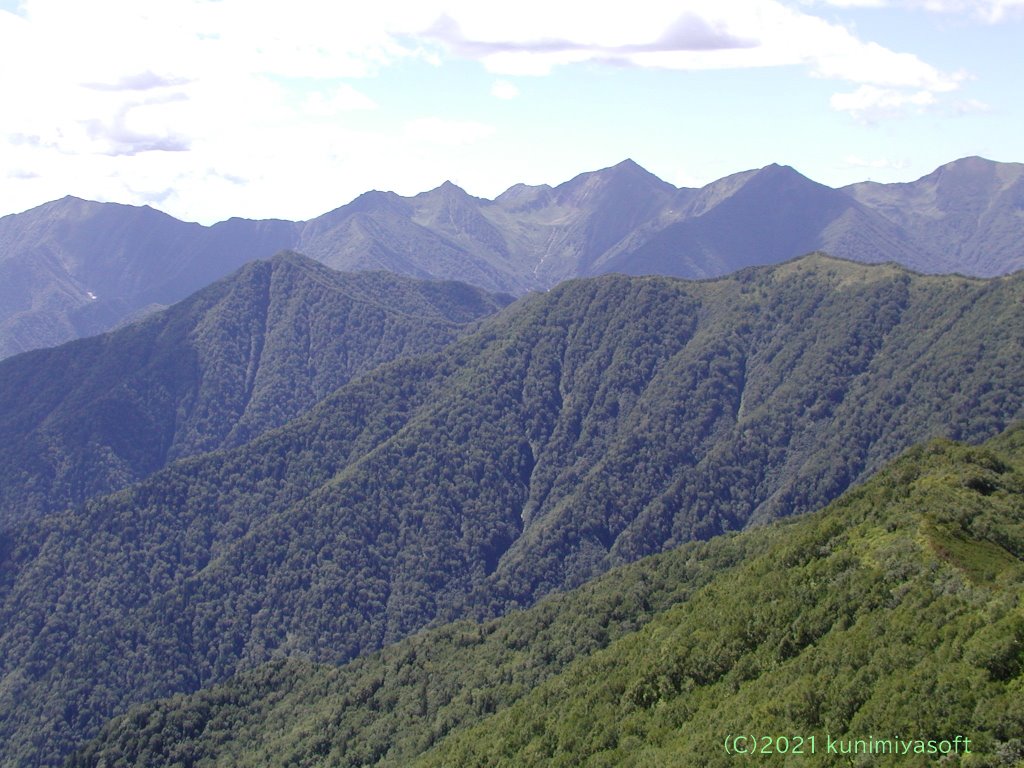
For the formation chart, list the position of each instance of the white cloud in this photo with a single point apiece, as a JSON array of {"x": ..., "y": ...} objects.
[
  {"x": 343, "y": 98},
  {"x": 852, "y": 3},
  {"x": 205, "y": 106},
  {"x": 503, "y": 89},
  {"x": 702, "y": 34},
  {"x": 971, "y": 107},
  {"x": 76, "y": 54},
  {"x": 436, "y": 130},
  {"x": 135, "y": 97},
  {"x": 709, "y": 35},
  {"x": 870, "y": 103},
  {"x": 534, "y": 36},
  {"x": 990, "y": 11},
  {"x": 998, "y": 10}
]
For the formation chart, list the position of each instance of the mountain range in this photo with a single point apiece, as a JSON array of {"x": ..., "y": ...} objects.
[
  {"x": 72, "y": 268},
  {"x": 568, "y": 433}
]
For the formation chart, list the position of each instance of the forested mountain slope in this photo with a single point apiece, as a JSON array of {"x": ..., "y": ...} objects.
[
  {"x": 894, "y": 612},
  {"x": 578, "y": 429},
  {"x": 240, "y": 357}
]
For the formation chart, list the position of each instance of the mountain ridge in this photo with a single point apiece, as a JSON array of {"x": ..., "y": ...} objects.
[
  {"x": 64, "y": 275},
  {"x": 243, "y": 355},
  {"x": 618, "y": 657},
  {"x": 574, "y": 431},
  {"x": 959, "y": 213}
]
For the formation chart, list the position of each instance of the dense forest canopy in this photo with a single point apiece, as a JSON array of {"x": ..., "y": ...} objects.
[
  {"x": 894, "y": 612},
  {"x": 576, "y": 430},
  {"x": 242, "y": 356}
]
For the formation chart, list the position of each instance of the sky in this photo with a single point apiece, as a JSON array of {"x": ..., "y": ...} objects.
[{"x": 209, "y": 109}]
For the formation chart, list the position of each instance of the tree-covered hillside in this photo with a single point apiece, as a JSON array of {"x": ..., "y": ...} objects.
[
  {"x": 578, "y": 429},
  {"x": 242, "y": 356},
  {"x": 894, "y": 612}
]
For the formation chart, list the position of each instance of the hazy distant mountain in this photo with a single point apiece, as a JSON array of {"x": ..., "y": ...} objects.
[
  {"x": 570, "y": 229},
  {"x": 573, "y": 431},
  {"x": 437, "y": 234},
  {"x": 763, "y": 217},
  {"x": 967, "y": 216},
  {"x": 242, "y": 356},
  {"x": 72, "y": 268},
  {"x": 528, "y": 238}
]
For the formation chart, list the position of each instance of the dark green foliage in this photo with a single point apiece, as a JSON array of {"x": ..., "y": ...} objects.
[
  {"x": 854, "y": 622},
  {"x": 579, "y": 429},
  {"x": 394, "y": 704},
  {"x": 851, "y": 622},
  {"x": 240, "y": 357}
]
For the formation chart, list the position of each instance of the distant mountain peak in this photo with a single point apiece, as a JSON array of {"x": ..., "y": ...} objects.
[
  {"x": 619, "y": 218},
  {"x": 630, "y": 169},
  {"x": 965, "y": 166},
  {"x": 758, "y": 182},
  {"x": 629, "y": 164},
  {"x": 523, "y": 197},
  {"x": 969, "y": 162},
  {"x": 375, "y": 201},
  {"x": 971, "y": 171},
  {"x": 449, "y": 191},
  {"x": 784, "y": 179},
  {"x": 447, "y": 188},
  {"x": 777, "y": 171},
  {"x": 66, "y": 203},
  {"x": 626, "y": 178},
  {"x": 974, "y": 170}
]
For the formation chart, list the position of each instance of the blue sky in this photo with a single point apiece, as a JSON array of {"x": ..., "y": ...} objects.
[{"x": 215, "y": 108}]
